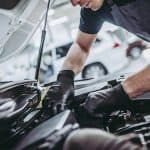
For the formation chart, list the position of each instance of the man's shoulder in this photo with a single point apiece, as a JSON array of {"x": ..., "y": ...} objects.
[
  {"x": 100, "y": 13},
  {"x": 91, "y": 21}
]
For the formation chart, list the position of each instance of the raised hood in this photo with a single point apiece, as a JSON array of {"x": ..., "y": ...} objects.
[{"x": 19, "y": 19}]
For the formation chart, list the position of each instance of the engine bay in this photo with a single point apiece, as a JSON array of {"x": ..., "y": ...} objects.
[{"x": 31, "y": 126}]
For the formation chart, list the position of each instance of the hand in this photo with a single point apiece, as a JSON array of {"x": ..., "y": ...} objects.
[
  {"x": 106, "y": 101},
  {"x": 62, "y": 90},
  {"x": 119, "y": 97}
]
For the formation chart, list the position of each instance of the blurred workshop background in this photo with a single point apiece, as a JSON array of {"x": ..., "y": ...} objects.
[{"x": 114, "y": 51}]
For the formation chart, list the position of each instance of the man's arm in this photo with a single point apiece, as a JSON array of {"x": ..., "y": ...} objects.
[
  {"x": 138, "y": 83},
  {"x": 78, "y": 52},
  {"x": 118, "y": 97},
  {"x": 62, "y": 90}
]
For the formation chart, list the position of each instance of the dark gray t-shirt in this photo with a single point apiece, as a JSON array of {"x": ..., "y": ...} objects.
[{"x": 133, "y": 16}]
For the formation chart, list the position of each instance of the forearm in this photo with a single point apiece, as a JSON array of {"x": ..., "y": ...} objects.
[
  {"x": 138, "y": 83},
  {"x": 75, "y": 58}
]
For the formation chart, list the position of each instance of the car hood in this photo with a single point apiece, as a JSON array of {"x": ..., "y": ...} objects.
[{"x": 19, "y": 20}]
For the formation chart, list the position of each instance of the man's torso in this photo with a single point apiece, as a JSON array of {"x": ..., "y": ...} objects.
[{"x": 133, "y": 16}]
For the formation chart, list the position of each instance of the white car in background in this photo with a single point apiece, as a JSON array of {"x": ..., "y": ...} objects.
[
  {"x": 113, "y": 53},
  {"x": 108, "y": 55}
]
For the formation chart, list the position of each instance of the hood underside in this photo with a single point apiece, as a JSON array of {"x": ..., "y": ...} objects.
[{"x": 19, "y": 19}]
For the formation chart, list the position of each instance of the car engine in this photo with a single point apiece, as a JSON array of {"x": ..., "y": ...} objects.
[{"x": 26, "y": 124}]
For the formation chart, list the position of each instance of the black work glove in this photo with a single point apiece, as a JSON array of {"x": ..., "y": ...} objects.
[
  {"x": 61, "y": 91},
  {"x": 106, "y": 101}
]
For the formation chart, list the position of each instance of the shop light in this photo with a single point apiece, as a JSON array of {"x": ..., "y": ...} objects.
[
  {"x": 59, "y": 21},
  {"x": 51, "y": 12}
]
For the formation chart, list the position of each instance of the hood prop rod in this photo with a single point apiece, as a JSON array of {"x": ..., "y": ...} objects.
[{"x": 43, "y": 37}]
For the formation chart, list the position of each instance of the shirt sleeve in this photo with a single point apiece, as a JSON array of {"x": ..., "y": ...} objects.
[{"x": 92, "y": 21}]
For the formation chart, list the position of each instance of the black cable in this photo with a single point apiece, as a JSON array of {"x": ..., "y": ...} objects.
[{"x": 43, "y": 36}]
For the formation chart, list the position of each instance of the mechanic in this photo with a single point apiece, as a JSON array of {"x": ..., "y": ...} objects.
[{"x": 132, "y": 15}]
